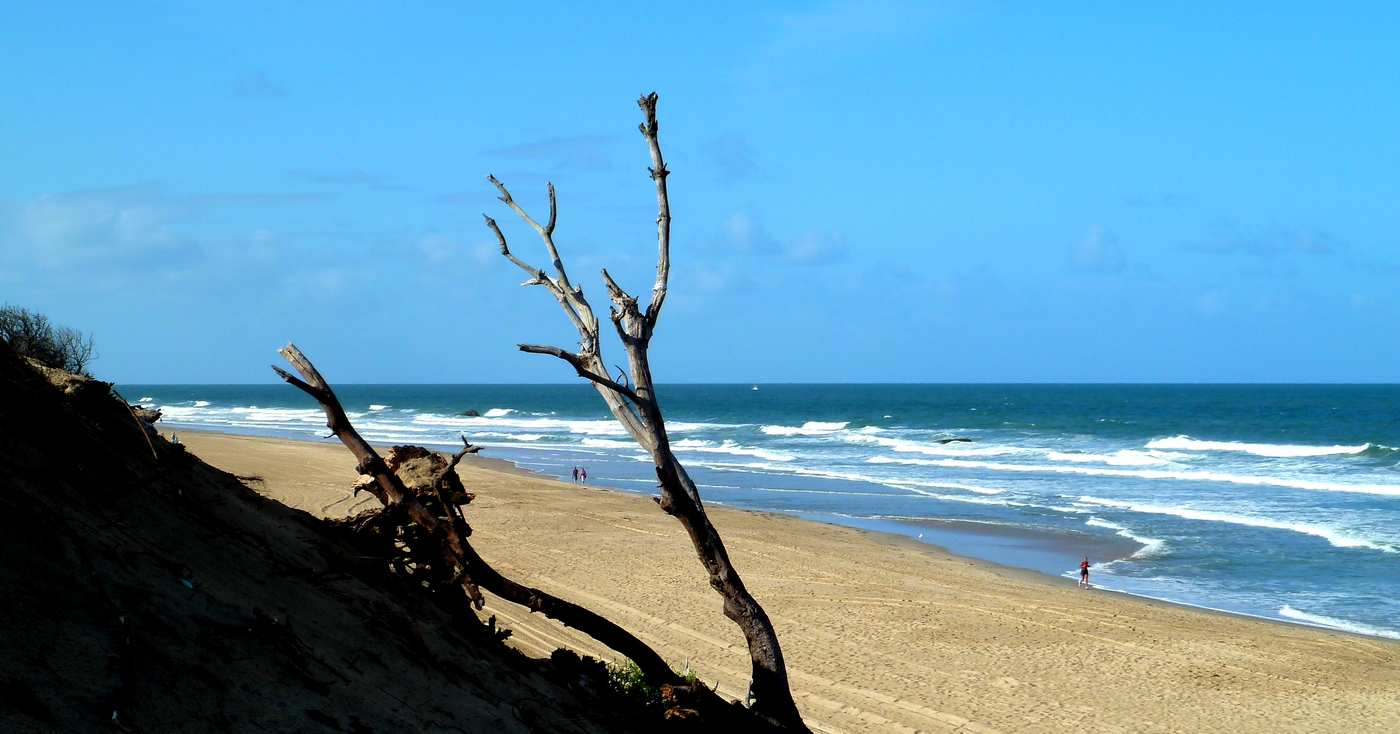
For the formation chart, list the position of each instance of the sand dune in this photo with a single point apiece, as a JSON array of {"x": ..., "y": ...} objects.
[{"x": 881, "y": 634}]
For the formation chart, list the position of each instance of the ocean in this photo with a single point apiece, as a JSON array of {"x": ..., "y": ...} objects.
[{"x": 1280, "y": 501}]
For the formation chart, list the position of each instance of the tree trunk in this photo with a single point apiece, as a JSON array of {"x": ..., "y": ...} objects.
[{"x": 633, "y": 402}]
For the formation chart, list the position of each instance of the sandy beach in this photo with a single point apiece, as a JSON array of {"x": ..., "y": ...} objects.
[{"x": 881, "y": 633}]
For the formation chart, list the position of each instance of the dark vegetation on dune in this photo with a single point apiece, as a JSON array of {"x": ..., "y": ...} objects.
[
  {"x": 31, "y": 334},
  {"x": 144, "y": 590}
]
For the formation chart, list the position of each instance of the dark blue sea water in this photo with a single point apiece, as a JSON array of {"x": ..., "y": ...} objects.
[{"x": 1275, "y": 500}]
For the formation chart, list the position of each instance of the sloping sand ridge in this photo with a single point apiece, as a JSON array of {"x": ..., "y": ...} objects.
[
  {"x": 142, "y": 590},
  {"x": 881, "y": 634}
]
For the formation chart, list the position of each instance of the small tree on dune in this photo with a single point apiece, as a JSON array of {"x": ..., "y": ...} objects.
[
  {"x": 31, "y": 334},
  {"x": 632, "y": 399}
]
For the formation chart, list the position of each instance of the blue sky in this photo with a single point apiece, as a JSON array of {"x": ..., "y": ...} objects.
[{"x": 862, "y": 191}]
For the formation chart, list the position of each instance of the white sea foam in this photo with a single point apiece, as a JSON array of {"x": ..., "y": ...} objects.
[
  {"x": 1125, "y": 457},
  {"x": 512, "y": 436},
  {"x": 1334, "y": 623},
  {"x": 684, "y": 427},
  {"x": 1204, "y": 476},
  {"x": 606, "y": 427},
  {"x": 917, "y": 487},
  {"x": 377, "y": 407},
  {"x": 810, "y": 428},
  {"x": 145, "y": 399},
  {"x": 609, "y": 443},
  {"x": 1336, "y": 537},
  {"x": 967, "y": 499},
  {"x": 1186, "y": 443},
  {"x": 254, "y": 414},
  {"x": 498, "y": 412},
  {"x": 1150, "y": 546},
  {"x": 942, "y": 485},
  {"x": 689, "y": 443},
  {"x": 201, "y": 403},
  {"x": 730, "y": 447},
  {"x": 956, "y": 448}
]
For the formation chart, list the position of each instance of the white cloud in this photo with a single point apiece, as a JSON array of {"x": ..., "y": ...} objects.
[
  {"x": 742, "y": 234},
  {"x": 438, "y": 248},
  {"x": 1269, "y": 242},
  {"x": 114, "y": 232},
  {"x": 256, "y": 84},
  {"x": 733, "y": 156},
  {"x": 1098, "y": 252},
  {"x": 133, "y": 225},
  {"x": 845, "y": 26},
  {"x": 1214, "y": 302},
  {"x": 585, "y": 152},
  {"x": 815, "y": 248}
]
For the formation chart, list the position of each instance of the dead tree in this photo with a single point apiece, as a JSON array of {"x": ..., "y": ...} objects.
[
  {"x": 633, "y": 401},
  {"x": 436, "y": 510}
]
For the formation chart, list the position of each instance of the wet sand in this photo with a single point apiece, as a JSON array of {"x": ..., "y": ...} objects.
[{"x": 882, "y": 632}]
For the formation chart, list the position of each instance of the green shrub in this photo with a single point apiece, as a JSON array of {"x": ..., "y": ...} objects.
[
  {"x": 31, "y": 334},
  {"x": 626, "y": 681}
]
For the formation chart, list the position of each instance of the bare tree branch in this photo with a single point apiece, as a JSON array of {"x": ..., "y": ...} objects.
[
  {"x": 581, "y": 367},
  {"x": 538, "y": 276},
  {"x": 570, "y": 297},
  {"x": 663, "y": 206},
  {"x": 636, "y": 407},
  {"x": 474, "y": 570},
  {"x": 546, "y": 233}
]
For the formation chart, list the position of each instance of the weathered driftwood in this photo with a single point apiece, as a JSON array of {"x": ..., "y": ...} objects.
[
  {"x": 633, "y": 401},
  {"x": 433, "y": 502}
]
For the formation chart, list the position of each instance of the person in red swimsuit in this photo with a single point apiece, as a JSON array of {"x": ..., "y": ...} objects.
[{"x": 1084, "y": 573}]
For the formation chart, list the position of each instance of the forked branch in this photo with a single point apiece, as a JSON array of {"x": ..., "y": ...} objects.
[
  {"x": 636, "y": 407},
  {"x": 471, "y": 569},
  {"x": 582, "y": 368}
]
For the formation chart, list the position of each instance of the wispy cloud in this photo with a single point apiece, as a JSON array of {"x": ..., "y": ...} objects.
[
  {"x": 733, "y": 156},
  {"x": 439, "y": 248},
  {"x": 364, "y": 179},
  {"x": 1269, "y": 242},
  {"x": 1098, "y": 252},
  {"x": 461, "y": 198},
  {"x": 741, "y": 234},
  {"x": 255, "y": 199},
  {"x": 804, "y": 43},
  {"x": 137, "y": 227},
  {"x": 132, "y": 225},
  {"x": 256, "y": 84},
  {"x": 816, "y": 248},
  {"x": 585, "y": 152},
  {"x": 1165, "y": 200}
]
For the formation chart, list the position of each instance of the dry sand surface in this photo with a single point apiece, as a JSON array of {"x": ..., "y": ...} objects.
[{"x": 881, "y": 634}]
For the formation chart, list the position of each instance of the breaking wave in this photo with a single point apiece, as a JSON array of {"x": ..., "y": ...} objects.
[
  {"x": 1337, "y": 538},
  {"x": 1392, "y": 490},
  {"x": 1186, "y": 443},
  {"x": 1150, "y": 546},
  {"x": 810, "y": 428},
  {"x": 1125, "y": 457},
  {"x": 1340, "y": 624}
]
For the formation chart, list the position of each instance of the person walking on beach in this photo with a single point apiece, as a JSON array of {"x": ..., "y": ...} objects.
[
  {"x": 575, "y": 475},
  {"x": 1084, "y": 573},
  {"x": 584, "y": 475}
]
